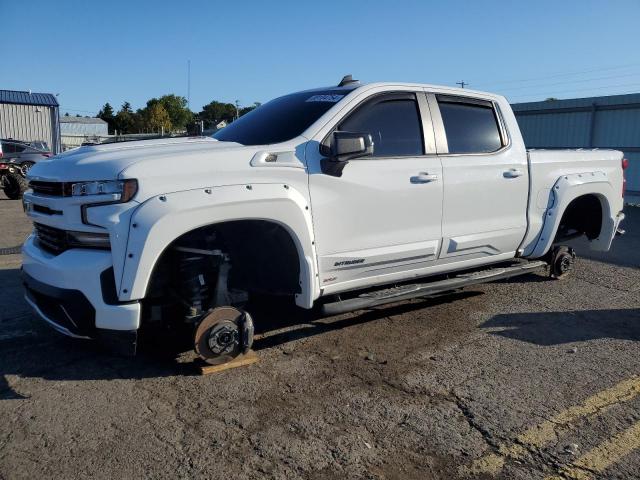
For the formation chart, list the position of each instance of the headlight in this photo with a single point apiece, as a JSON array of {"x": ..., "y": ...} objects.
[{"x": 122, "y": 190}]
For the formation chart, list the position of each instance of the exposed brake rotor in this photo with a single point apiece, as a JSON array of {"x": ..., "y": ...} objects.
[
  {"x": 223, "y": 334},
  {"x": 562, "y": 261}
]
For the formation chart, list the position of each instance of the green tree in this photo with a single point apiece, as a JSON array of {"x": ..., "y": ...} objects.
[
  {"x": 106, "y": 114},
  {"x": 124, "y": 121},
  {"x": 245, "y": 110},
  {"x": 215, "y": 112},
  {"x": 157, "y": 118},
  {"x": 139, "y": 121},
  {"x": 106, "y": 111},
  {"x": 176, "y": 108}
]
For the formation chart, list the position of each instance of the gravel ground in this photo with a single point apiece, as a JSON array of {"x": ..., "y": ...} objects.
[{"x": 521, "y": 379}]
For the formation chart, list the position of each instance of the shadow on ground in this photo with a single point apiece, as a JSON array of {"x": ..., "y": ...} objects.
[
  {"x": 556, "y": 328},
  {"x": 269, "y": 318}
]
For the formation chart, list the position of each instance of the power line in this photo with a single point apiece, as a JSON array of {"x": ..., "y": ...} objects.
[
  {"x": 524, "y": 99},
  {"x": 549, "y": 93},
  {"x": 571, "y": 81},
  {"x": 565, "y": 74}
]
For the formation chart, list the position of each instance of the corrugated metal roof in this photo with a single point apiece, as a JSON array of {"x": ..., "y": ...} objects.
[
  {"x": 27, "y": 98},
  {"x": 578, "y": 102},
  {"x": 91, "y": 120},
  {"x": 611, "y": 121}
]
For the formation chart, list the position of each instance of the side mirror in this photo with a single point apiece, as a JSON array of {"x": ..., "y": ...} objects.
[{"x": 348, "y": 145}]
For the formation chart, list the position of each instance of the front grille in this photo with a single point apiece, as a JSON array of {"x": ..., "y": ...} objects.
[
  {"x": 51, "y": 239},
  {"x": 54, "y": 189}
]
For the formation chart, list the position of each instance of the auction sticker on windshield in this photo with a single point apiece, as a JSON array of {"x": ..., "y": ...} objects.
[{"x": 324, "y": 98}]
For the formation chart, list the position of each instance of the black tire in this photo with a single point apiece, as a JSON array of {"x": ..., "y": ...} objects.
[{"x": 14, "y": 185}]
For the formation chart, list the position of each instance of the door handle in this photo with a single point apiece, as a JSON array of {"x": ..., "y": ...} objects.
[
  {"x": 424, "y": 177},
  {"x": 513, "y": 173}
]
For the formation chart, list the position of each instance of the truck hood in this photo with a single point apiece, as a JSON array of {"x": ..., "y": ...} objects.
[{"x": 109, "y": 161}]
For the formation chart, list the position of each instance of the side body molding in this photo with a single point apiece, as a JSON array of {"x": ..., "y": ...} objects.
[
  {"x": 566, "y": 189},
  {"x": 163, "y": 218}
]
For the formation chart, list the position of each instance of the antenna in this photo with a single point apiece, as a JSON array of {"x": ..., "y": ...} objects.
[
  {"x": 189, "y": 84},
  {"x": 462, "y": 83},
  {"x": 346, "y": 80}
]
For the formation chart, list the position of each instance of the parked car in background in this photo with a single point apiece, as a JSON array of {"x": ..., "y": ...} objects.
[
  {"x": 12, "y": 181},
  {"x": 23, "y": 154}
]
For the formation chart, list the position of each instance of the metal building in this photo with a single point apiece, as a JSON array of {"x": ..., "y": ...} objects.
[
  {"x": 83, "y": 126},
  {"x": 30, "y": 116},
  {"x": 595, "y": 122},
  {"x": 77, "y": 130}
]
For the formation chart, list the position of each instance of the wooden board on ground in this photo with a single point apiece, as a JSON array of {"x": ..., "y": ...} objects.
[{"x": 247, "y": 359}]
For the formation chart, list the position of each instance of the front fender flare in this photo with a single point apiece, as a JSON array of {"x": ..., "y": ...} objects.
[{"x": 163, "y": 218}]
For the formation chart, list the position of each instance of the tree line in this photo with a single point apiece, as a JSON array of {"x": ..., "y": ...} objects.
[{"x": 167, "y": 114}]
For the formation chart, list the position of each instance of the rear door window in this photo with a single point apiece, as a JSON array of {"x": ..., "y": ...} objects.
[{"x": 471, "y": 127}]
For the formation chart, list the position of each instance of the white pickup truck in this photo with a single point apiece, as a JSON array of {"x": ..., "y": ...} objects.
[{"x": 342, "y": 197}]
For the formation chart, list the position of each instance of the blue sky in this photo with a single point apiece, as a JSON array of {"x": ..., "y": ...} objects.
[{"x": 95, "y": 51}]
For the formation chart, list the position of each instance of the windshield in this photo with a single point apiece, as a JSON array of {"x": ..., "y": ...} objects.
[{"x": 281, "y": 119}]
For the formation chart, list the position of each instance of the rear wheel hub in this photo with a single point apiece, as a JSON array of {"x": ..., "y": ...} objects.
[{"x": 562, "y": 262}]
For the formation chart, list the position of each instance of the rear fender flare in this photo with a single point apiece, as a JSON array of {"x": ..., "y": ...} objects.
[{"x": 566, "y": 189}]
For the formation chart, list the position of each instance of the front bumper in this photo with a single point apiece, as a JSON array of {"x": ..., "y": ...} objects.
[{"x": 75, "y": 293}]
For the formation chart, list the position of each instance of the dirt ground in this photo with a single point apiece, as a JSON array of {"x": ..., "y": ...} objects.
[{"x": 527, "y": 378}]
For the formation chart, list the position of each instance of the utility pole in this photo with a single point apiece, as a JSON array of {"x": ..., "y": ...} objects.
[
  {"x": 237, "y": 109},
  {"x": 188, "y": 83},
  {"x": 462, "y": 83}
]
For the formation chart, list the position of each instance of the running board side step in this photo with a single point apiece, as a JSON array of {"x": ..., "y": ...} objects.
[{"x": 406, "y": 292}]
